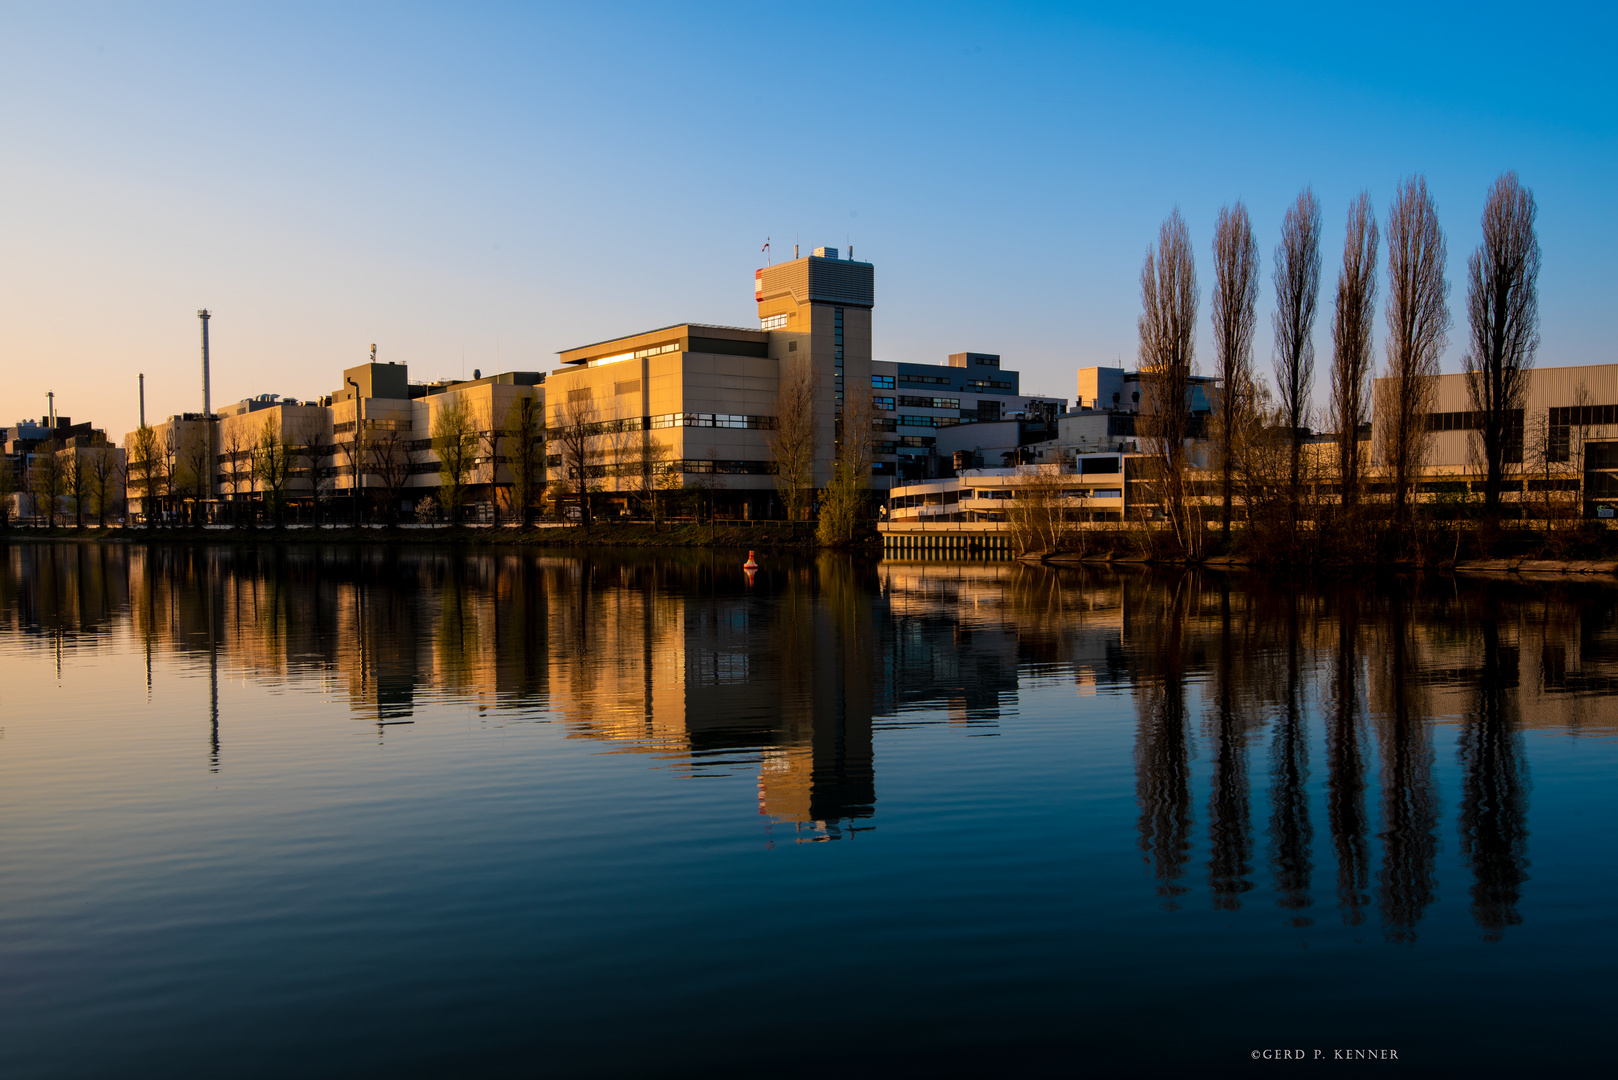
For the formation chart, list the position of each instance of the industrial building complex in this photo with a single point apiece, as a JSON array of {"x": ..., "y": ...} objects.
[{"x": 687, "y": 414}]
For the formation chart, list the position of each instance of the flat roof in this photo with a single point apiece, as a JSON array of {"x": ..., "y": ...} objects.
[{"x": 581, "y": 353}]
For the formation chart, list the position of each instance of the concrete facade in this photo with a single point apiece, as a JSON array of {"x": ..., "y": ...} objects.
[{"x": 1566, "y": 441}]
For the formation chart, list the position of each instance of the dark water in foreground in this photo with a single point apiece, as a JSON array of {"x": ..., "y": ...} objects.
[{"x": 292, "y": 811}]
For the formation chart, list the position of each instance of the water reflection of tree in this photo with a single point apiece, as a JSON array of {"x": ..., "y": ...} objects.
[
  {"x": 1494, "y": 788},
  {"x": 674, "y": 654},
  {"x": 64, "y": 591},
  {"x": 1291, "y": 833},
  {"x": 1345, "y": 754},
  {"x": 1230, "y": 837},
  {"x": 1162, "y": 753},
  {"x": 844, "y": 780},
  {"x": 1405, "y": 884}
]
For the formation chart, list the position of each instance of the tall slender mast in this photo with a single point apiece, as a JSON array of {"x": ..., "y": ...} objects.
[{"x": 207, "y": 409}]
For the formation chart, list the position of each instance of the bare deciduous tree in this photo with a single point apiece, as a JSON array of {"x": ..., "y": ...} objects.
[
  {"x": 617, "y": 448},
  {"x": 1234, "y": 299},
  {"x": 525, "y": 432},
  {"x": 302, "y": 436},
  {"x": 575, "y": 426},
  {"x": 649, "y": 473},
  {"x": 76, "y": 482},
  {"x": 793, "y": 443},
  {"x": 455, "y": 441},
  {"x": 173, "y": 482},
  {"x": 1418, "y": 330},
  {"x": 1556, "y": 454},
  {"x": 103, "y": 467},
  {"x": 195, "y": 469},
  {"x": 1041, "y": 512},
  {"x": 48, "y": 482},
  {"x": 146, "y": 463},
  {"x": 844, "y": 504},
  {"x": 1168, "y": 288},
  {"x": 491, "y": 434},
  {"x": 1502, "y": 306},
  {"x": 1546, "y": 489},
  {"x": 354, "y": 455},
  {"x": 1351, "y": 345},
  {"x": 274, "y": 466},
  {"x": 8, "y": 488},
  {"x": 1297, "y": 294},
  {"x": 233, "y": 440},
  {"x": 391, "y": 460}
]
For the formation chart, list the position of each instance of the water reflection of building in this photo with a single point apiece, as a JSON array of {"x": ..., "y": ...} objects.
[
  {"x": 781, "y": 674},
  {"x": 969, "y": 631},
  {"x": 674, "y": 656}
]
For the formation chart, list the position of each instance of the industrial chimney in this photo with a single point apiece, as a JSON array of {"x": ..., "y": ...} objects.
[{"x": 207, "y": 408}]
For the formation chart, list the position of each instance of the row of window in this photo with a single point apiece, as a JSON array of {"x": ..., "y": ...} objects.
[
  {"x": 930, "y": 402},
  {"x": 1584, "y": 415},
  {"x": 714, "y": 420},
  {"x": 965, "y": 494},
  {"x": 674, "y": 420},
  {"x": 837, "y": 353},
  {"x": 924, "y": 380},
  {"x": 650, "y": 350},
  {"x": 774, "y": 322},
  {"x": 1471, "y": 420},
  {"x": 989, "y": 384},
  {"x": 732, "y": 468},
  {"x": 373, "y": 425}
]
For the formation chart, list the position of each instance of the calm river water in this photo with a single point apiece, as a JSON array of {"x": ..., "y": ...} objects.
[{"x": 283, "y": 810}]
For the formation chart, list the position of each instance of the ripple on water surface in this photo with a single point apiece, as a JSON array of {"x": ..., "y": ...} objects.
[{"x": 291, "y": 808}]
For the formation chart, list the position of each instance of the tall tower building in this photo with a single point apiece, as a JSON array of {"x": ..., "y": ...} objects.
[{"x": 818, "y": 312}]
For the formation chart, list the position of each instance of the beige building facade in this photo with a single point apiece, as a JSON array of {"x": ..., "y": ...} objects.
[
  {"x": 365, "y": 451},
  {"x": 1563, "y": 447},
  {"x": 700, "y": 399}
]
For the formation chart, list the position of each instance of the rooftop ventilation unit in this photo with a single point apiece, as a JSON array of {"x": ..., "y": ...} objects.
[{"x": 825, "y": 253}]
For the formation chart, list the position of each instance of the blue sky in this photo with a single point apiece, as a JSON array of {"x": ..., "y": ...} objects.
[{"x": 478, "y": 187}]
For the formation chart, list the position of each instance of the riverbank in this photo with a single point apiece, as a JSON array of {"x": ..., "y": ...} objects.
[
  {"x": 1593, "y": 553},
  {"x": 762, "y": 536},
  {"x": 1526, "y": 568},
  {"x": 1591, "y": 549}
]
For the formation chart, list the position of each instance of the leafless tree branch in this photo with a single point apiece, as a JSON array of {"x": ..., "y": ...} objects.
[
  {"x": 1351, "y": 328},
  {"x": 1234, "y": 299},
  {"x": 1502, "y": 307},
  {"x": 1418, "y": 330}
]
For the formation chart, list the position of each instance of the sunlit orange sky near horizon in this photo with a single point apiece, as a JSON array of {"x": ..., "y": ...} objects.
[{"x": 477, "y": 188}]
